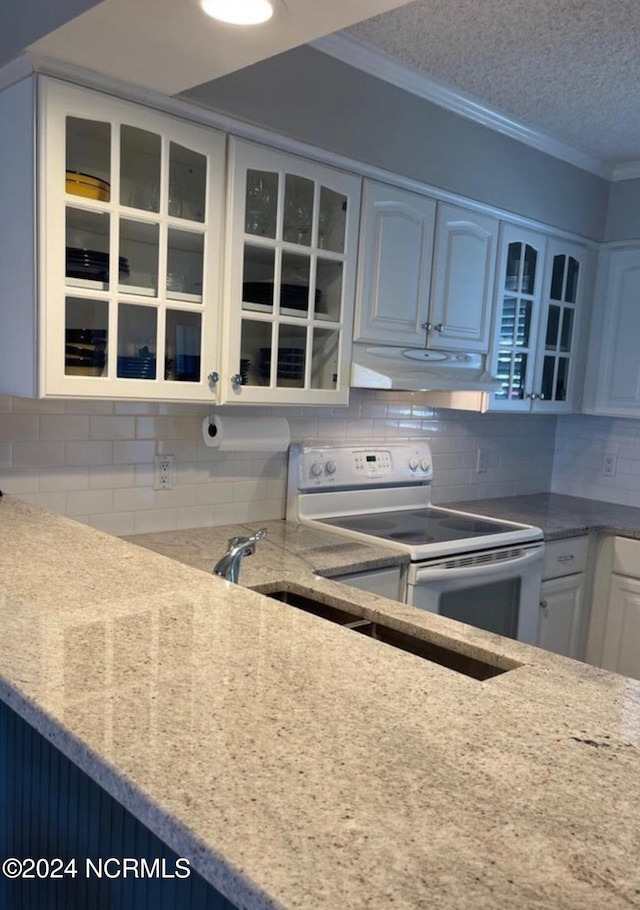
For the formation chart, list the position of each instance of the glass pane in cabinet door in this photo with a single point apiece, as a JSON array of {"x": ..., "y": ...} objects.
[
  {"x": 294, "y": 284},
  {"x": 557, "y": 277},
  {"x": 137, "y": 341},
  {"x": 523, "y": 324},
  {"x": 88, "y": 158},
  {"x": 139, "y": 250},
  {"x": 185, "y": 256},
  {"x": 255, "y": 356},
  {"x": 332, "y": 220},
  {"x": 298, "y": 210},
  {"x": 573, "y": 269},
  {"x": 529, "y": 269},
  {"x": 183, "y": 340},
  {"x": 292, "y": 342},
  {"x": 567, "y": 331},
  {"x": 508, "y": 320},
  {"x": 518, "y": 376},
  {"x": 553, "y": 324},
  {"x": 324, "y": 358},
  {"x": 261, "y": 203},
  {"x": 512, "y": 275},
  {"x": 562, "y": 379},
  {"x": 140, "y": 156},
  {"x": 258, "y": 274},
  {"x": 548, "y": 370},
  {"x": 328, "y": 296},
  {"x": 86, "y": 336},
  {"x": 187, "y": 183},
  {"x": 504, "y": 375},
  {"x": 87, "y": 260}
]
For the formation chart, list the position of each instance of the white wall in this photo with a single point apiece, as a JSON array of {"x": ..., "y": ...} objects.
[
  {"x": 581, "y": 444},
  {"x": 93, "y": 461}
]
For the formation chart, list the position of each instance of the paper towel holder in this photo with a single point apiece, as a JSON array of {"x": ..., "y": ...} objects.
[{"x": 212, "y": 430}]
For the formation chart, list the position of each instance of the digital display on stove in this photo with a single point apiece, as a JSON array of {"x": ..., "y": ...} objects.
[{"x": 371, "y": 457}]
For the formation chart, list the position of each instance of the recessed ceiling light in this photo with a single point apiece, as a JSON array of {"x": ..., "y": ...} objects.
[{"x": 238, "y": 12}]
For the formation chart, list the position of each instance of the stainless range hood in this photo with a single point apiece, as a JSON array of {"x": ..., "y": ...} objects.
[{"x": 416, "y": 369}]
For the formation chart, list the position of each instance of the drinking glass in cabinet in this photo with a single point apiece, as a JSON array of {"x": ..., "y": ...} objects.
[
  {"x": 140, "y": 159},
  {"x": 185, "y": 257},
  {"x": 261, "y": 204},
  {"x": 187, "y": 183},
  {"x": 139, "y": 245},
  {"x": 298, "y": 210},
  {"x": 86, "y": 336},
  {"x": 324, "y": 358},
  {"x": 332, "y": 220},
  {"x": 88, "y": 158},
  {"x": 137, "y": 341},
  {"x": 183, "y": 342}
]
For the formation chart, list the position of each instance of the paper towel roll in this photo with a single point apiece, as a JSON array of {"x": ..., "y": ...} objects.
[{"x": 246, "y": 434}]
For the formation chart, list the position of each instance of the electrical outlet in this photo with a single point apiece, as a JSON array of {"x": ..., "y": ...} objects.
[
  {"x": 481, "y": 461},
  {"x": 164, "y": 472},
  {"x": 609, "y": 464}
]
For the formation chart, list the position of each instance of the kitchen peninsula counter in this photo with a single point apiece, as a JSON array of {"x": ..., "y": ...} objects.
[{"x": 300, "y": 765}]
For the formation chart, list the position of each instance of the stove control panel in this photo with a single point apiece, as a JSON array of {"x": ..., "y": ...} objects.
[{"x": 326, "y": 467}]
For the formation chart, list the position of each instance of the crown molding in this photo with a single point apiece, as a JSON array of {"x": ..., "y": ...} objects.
[{"x": 403, "y": 75}]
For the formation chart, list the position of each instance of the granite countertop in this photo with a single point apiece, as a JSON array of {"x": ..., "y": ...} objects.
[
  {"x": 315, "y": 768},
  {"x": 558, "y": 515}
]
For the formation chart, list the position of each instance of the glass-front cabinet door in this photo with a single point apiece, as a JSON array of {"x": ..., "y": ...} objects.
[
  {"x": 517, "y": 313},
  {"x": 131, "y": 246},
  {"x": 291, "y": 247},
  {"x": 559, "y": 335}
]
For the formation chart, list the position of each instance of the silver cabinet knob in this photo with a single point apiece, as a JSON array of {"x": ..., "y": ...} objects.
[
  {"x": 439, "y": 327},
  {"x": 236, "y": 379},
  {"x": 213, "y": 377},
  {"x": 425, "y": 325},
  {"x": 533, "y": 396},
  {"x": 544, "y": 606}
]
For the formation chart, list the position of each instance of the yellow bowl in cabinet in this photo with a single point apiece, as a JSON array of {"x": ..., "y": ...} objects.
[{"x": 85, "y": 185}]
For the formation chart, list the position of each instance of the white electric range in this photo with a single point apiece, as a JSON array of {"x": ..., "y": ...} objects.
[{"x": 467, "y": 567}]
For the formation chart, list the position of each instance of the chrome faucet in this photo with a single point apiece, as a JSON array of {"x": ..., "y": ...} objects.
[{"x": 229, "y": 565}]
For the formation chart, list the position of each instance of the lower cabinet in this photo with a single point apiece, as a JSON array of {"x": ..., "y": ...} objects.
[
  {"x": 560, "y": 614},
  {"x": 562, "y": 596},
  {"x": 621, "y": 647}
]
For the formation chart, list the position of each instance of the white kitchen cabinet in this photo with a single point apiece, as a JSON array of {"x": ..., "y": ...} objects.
[
  {"x": 463, "y": 279},
  {"x": 290, "y": 279},
  {"x": 613, "y": 374},
  {"x": 538, "y": 338},
  {"x": 562, "y": 596},
  {"x": 614, "y": 634},
  {"x": 426, "y": 272},
  {"x": 394, "y": 266},
  {"x": 114, "y": 258}
]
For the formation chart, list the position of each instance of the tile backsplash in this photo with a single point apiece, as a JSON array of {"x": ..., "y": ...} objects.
[{"x": 94, "y": 460}]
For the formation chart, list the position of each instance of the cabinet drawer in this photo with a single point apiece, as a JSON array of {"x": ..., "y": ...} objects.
[
  {"x": 565, "y": 557},
  {"x": 626, "y": 557}
]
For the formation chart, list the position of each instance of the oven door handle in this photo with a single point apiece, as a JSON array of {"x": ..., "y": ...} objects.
[{"x": 476, "y": 572}]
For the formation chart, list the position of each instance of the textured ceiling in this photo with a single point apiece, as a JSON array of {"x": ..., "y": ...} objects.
[{"x": 570, "y": 68}]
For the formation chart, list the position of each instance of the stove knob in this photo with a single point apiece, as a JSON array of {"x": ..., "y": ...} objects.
[
  {"x": 330, "y": 467},
  {"x": 413, "y": 463},
  {"x": 424, "y": 464},
  {"x": 316, "y": 468}
]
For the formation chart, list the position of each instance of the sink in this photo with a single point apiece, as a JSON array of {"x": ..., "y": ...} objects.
[{"x": 439, "y": 654}]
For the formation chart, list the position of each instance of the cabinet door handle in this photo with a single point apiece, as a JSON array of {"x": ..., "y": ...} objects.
[
  {"x": 236, "y": 379},
  {"x": 566, "y": 557},
  {"x": 213, "y": 377},
  {"x": 533, "y": 395},
  {"x": 544, "y": 606},
  {"x": 439, "y": 327},
  {"x": 425, "y": 325}
]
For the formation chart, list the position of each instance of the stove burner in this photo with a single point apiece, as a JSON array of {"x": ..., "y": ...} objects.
[
  {"x": 410, "y": 537},
  {"x": 470, "y": 525}
]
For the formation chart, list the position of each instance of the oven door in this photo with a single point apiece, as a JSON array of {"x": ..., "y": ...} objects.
[{"x": 497, "y": 590}]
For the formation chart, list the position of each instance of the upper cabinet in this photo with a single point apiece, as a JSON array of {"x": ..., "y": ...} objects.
[
  {"x": 394, "y": 271},
  {"x": 538, "y": 322},
  {"x": 290, "y": 279},
  {"x": 613, "y": 379},
  {"x": 128, "y": 238},
  {"x": 414, "y": 291}
]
